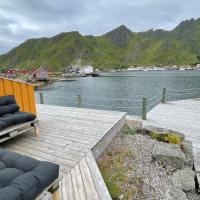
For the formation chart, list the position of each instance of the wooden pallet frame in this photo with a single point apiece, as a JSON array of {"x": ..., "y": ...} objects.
[{"x": 18, "y": 129}]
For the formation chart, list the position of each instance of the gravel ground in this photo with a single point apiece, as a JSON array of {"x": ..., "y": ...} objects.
[
  {"x": 155, "y": 179},
  {"x": 193, "y": 196},
  {"x": 154, "y": 176}
]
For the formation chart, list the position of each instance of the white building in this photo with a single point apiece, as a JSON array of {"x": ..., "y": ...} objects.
[{"x": 86, "y": 70}]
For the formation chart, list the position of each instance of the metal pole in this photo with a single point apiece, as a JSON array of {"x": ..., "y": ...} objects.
[
  {"x": 79, "y": 100},
  {"x": 144, "y": 108},
  {"x": 164, "y": 95},
  {"x": 41, "y": 98}
]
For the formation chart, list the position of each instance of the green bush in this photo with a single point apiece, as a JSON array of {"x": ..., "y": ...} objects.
[
  {"x": 173, "y": 139},
  {"x": 167, "y": 137},
  {"x": 129, "y": 130}
]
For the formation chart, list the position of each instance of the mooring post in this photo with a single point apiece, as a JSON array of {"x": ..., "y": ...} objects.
[
  {"x": 164, "y": 95},
  {"x": 144, "y": 108},
  {"x": 79, "y": 100},
  {"x": 41, "y": 98}
]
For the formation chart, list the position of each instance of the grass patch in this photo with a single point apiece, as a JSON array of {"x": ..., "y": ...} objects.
[
  {"x": 116, "y": 165},
  {"x": 167, "y": 137},
  {"x": 129, "y": 130}
]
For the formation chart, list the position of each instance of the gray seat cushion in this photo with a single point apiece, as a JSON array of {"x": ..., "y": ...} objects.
[
  {"x": 10, "y": 114},
  {"x": 22, "y": 177}
]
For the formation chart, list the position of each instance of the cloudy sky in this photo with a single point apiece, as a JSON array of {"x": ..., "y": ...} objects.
[{"x": 23, "y": 19}]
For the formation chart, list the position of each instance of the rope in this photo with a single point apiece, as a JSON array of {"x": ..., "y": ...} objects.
[
  {"x": 155, "y": 97},
  {"x": 155, "y": 103},
  {"x": 93, "y": 98},
  {"x": 99, "y": 105},
  {"x": 183, "y": 90},
  {"x": 131, "y": 97},
  {"x": 130, "y": 100},
  {"x": 183, "y": 94},
  {"x": 108, "y": 106}
]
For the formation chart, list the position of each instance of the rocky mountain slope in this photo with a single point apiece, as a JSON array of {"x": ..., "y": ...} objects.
[{"x": 118, "y": 48}]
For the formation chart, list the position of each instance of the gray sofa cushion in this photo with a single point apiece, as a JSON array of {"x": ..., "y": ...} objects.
[
  {"x": 11, "y": 108},
  {"x": 15, "y": 118},
  {"x": 22, "y": 177},
  {"x": 6, "y": 100},
  {"x": 8, "y": 105},
  {"x": 10, "y": 114}
]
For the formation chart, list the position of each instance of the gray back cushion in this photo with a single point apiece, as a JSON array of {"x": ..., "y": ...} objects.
[{"x": 8, "y": 105}]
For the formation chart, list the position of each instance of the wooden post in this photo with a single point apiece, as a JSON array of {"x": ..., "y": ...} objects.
[
  {"x": 37, "y": 130},
  {"x": 41, "y": 98},
  {"x": 164, "y": 95},
  {"x": 79, "y": 100},
  {"x": 54, "y": 191},
  {"x": 144, "y": 108},
  {"x": 55, "y": 195}
]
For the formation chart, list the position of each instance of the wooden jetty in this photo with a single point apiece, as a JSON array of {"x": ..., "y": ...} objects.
[
  {"x": 182, "y": 116},
  {"x": 72, "y": 138}
]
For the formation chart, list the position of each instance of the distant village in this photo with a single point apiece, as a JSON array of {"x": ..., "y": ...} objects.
[
  {"x": 45, "y": 74},
  {"x": 155, "y": 68}
]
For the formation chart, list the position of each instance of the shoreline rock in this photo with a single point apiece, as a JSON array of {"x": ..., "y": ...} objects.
[
  {"x": 184, "y": 179},
  {"x": 174, "y": 193},
  {"x": 188, "y": 151},
  {"x": 169, "y": 155}
]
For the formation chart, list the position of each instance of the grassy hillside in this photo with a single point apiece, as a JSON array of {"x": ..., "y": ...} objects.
[{"x": 120, "y": 47}]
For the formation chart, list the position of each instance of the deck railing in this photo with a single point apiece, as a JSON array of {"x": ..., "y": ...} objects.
[
  {"x": 23, "y": 92},
  {"x": 192, "y": 93},
  {"x": 140, "y": 103}
]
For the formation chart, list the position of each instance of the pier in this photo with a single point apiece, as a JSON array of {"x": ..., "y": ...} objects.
[{"x": 182, "y": 116}]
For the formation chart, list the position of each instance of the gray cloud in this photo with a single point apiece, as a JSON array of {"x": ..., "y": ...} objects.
[{"x": 23, "y": 19}]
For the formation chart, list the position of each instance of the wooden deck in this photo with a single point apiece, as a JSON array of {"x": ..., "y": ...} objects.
[
  {"x": 72, "y": 138},
  {"x": 182, "y": 116}
]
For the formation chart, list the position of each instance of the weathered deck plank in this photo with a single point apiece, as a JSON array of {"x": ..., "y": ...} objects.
[
  {"x": 182, "y": 116},
  {"x": 67, "y": 136},
  {"x": 97, "y": 178},
  {"x": 90, "y": 190}
]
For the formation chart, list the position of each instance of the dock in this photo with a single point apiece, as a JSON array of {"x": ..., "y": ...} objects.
[
  {"x": 73, "y": 138},
  {"x": 182, "y": 116}
]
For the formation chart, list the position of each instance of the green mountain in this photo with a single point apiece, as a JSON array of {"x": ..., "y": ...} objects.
[{"x": 118, "y": 48}]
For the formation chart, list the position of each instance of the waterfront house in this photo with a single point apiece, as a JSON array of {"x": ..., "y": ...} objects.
[
  {"x": 41, "y": 74},
  {"x": 198, "y": 67}
]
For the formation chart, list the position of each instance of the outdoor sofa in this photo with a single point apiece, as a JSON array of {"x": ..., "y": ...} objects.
[
  {"x": 12, "y": 121},
  {"x": 25, "y": 178},
  {"x": 22, "y": 177}
]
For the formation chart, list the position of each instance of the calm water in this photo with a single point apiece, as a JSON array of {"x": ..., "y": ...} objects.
[{"x": 123, "y": 91}]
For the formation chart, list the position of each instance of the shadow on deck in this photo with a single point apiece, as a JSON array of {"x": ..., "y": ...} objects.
[{"x": 72, "y": 138}]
